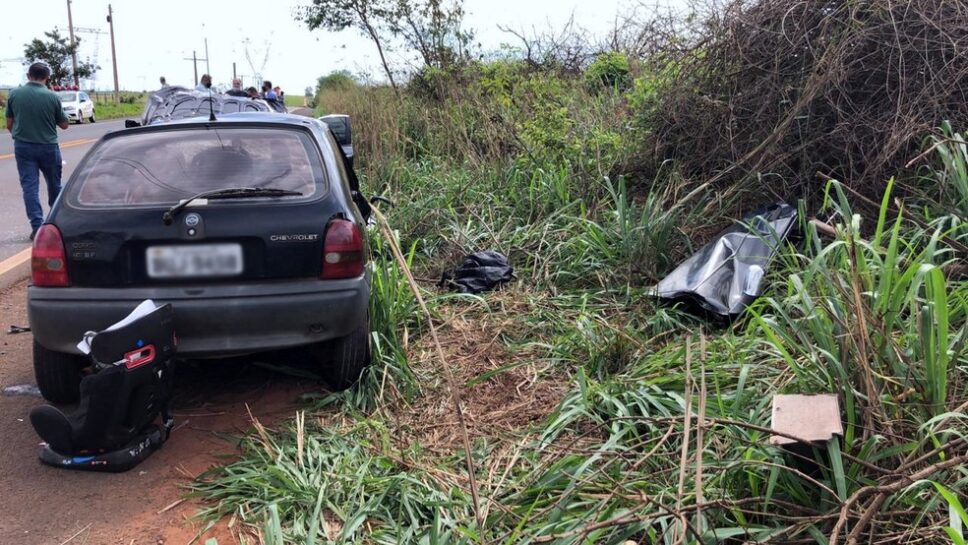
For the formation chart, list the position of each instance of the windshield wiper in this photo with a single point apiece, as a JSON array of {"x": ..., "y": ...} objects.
[{"x": 232, "y": 193}]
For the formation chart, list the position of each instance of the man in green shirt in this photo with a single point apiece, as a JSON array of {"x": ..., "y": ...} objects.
[{"x": 33, "y": 115}]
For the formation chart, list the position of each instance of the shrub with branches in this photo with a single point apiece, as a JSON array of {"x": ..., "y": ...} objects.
[{"x": 798, "y": 87}]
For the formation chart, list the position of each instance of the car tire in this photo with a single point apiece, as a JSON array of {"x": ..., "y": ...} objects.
[
  {"x": 92, "y": 117},
  {"x": 343, "y": 360},
  {"x": 58, "y": 375}
]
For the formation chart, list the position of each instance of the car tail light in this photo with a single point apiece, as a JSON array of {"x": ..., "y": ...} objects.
[
  {"x": 48, "y": 261},
  {"x": 342, "y": 250}
]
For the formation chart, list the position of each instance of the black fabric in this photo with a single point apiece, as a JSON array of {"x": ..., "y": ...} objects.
[
  {"x": 120, "y": 401},
  {"x": 479, "y": 272}
]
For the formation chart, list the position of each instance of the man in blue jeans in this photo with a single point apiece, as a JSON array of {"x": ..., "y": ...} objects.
[{"x": 33, "y": 115}]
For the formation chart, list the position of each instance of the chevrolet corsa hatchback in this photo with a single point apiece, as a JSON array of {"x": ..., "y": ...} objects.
[{"x": 249, "y": 226}]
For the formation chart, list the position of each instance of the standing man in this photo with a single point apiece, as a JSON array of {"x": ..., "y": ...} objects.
[
  {"x": 236, "y": 90},
  {"x": 163, "y": 82},
  {"x": 33, "y": 115},
  {"x": 267, "y": 92}
]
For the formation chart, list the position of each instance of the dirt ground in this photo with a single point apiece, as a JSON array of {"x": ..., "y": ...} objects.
[{"x": 147, "y": 505}]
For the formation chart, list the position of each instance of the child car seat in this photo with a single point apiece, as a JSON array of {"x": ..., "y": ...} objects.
[{"x": 113, "y": 427}]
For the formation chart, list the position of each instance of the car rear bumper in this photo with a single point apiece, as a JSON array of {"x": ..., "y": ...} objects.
[{"x": 210, "y": 321}]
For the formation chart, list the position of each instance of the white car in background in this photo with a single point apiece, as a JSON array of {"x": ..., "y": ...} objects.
[{"x": 77, "y": 105}]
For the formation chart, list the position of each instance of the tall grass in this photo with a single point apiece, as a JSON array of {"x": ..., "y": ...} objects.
[
  {"x": 952, "y": 180},
  {"x": 655, "y": 426}
]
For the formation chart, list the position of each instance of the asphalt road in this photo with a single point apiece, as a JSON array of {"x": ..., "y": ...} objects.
[{"x": 74, "y": 142}]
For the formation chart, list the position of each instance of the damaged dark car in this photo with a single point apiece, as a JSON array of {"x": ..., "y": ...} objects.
[
  {"x": 250, "y": 226},
  {"x": 174, "y": 103}
]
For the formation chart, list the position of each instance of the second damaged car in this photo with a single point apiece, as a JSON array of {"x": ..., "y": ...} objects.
[{"x": 246, "y": 225}]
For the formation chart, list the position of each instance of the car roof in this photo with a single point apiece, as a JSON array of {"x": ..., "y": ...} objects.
[
  {"x": 248, "y": 118},
  {"x": 240, "y": 118}
]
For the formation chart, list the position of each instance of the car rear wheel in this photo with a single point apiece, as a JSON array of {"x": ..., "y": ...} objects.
[
  {"x": 92, "y": 117},
  {"x": 58, "y": 375},
  {"x": 343, "y": 360}
]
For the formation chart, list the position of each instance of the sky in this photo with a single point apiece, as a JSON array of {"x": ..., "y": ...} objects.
[{"x": 158, "y": 38}]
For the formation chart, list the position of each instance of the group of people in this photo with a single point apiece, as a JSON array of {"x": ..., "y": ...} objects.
[{"x": 268, "y": 93}]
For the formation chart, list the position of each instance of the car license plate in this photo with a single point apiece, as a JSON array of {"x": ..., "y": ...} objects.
[{"x": 195, "y": 260}]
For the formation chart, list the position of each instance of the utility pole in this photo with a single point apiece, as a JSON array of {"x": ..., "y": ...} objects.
[
  {"x": 114, "y": 56},
  {"x": 194, "y": 58},
  {"x": 208, "y": 69},
  {"x": 70, "y": 26}
]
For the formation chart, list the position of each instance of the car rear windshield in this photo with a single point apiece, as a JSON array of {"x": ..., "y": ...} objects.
[
  {"x": 162, "y": 168},
  {"x": 67, "y": 96}
]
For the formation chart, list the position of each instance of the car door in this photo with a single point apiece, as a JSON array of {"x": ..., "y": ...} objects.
[{"x": 86, "y": 106}]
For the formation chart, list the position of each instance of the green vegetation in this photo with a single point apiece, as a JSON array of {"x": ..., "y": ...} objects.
[
  {"x": 111, "y": 110},
  {"x": 295, "y": 100},
  {"x": 594, "y": 414},
  {"x": 55, "y": 51}
]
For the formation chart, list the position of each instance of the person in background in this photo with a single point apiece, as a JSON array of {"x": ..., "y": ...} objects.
[
  {"x": 205, "y": 84},
  {"x": 252, "y": 92},
  {"x": 163, "y": 82},
  {"x": 236, "y": 90},
  {"x": 279, "y": 94},
  {"x": 33, "y": 114},
  {"x": 268, "y": 93}
]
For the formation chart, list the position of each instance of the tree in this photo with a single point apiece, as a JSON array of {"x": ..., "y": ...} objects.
[
  {"x": 429, "y": 28},
  {"x": 433, "y": 29},
  {"x": 56, "y": 52},
  {"x": 369, "y": 17},
  {"x": 338, "y": 80}
]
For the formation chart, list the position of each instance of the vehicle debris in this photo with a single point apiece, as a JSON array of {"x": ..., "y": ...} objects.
[
  {"x": 22, "y": 390},
  {"x": 14, "y": 329},
  {"x": 479, "y": 272},
  {"x": 726, "y": 275},
  {"x": 113, "y": 429}
]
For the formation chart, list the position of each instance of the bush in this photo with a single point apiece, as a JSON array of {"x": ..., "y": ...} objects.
[
  {"x": 847, "y": 89},
  {"x": 340, "y": 80},
  {"x": 609, "y": 70}
]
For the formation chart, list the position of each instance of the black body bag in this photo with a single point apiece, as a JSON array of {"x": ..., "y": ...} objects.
[{"x": 113, "y": 429}]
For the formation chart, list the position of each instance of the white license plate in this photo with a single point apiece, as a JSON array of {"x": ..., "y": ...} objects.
[{"x": 195, "y": 260}]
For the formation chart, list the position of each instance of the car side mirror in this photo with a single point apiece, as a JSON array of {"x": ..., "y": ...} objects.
[
  {"x": 131, "y": 123},
  {"x": 83, "y": 100}
]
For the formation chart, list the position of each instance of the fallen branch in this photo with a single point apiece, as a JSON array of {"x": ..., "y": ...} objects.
[
  {"x": 79, "y": 532},
  {"x": 448, "y": 375},
  {"x": 900, "y": 483}
]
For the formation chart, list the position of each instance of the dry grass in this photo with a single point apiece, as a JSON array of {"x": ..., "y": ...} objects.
[{"x": 499, "y": 398}]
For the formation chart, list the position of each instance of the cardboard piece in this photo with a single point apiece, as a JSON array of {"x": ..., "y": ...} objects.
[{"x": 813, "y": 418}]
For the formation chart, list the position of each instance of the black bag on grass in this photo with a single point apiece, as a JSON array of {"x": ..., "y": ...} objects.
[
  {"x": 113, "y": 429},
  {"x": 480, "y": 272}
]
